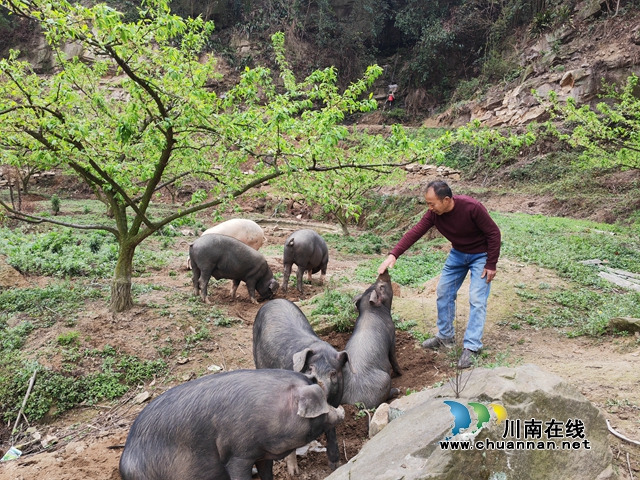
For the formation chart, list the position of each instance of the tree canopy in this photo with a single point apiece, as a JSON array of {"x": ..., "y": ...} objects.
[
  {"x": 608, "y": 133},
  {"x": 143, "y": 108}
]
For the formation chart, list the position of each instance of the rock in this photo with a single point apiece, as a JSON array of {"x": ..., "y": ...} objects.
[
  {"x": 141, "y": 398},
  {"x": 379, "y": 420},
  {"x": 75, "y": 448},
  {"x": 572, "y": 76},
  {"x": 410, "y": 447},
  {"x": 624, "y": 324},
  {"x": 588, "y": 8}
]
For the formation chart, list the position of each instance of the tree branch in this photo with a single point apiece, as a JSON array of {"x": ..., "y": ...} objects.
[{"x": 146, "y": 233}]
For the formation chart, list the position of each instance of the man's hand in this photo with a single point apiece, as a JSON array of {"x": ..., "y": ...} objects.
[
  {"x": 489, "y": 274},
  {"x": 389, "y": 263}
]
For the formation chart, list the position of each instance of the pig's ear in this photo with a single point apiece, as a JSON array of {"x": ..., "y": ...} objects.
[
  {"x": 356, "y": 301},
  {"x": 300, "y": 359},
  {"x": 343, "y": 357},
  {"x": 311, "y": 403},
  {"x": 274, "y": 286}
]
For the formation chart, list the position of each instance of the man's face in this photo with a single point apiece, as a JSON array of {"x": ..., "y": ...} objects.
[{"x": 436, "y": 205}]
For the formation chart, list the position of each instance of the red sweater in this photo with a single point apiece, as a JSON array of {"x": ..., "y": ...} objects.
[{"x": 467, "y": 226}]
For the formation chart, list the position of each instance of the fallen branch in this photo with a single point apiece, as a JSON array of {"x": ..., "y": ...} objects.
[
  {"x": 24, "y": 402},
  {"x": 629, "y": 465},
  {"x": 344, "y": 444},
  {"x": 619, "y": 435}
]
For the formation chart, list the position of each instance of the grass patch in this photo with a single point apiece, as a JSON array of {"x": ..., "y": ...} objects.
[
  {"x": 337, "y": 308},
  {"x": 58, "y": 391},
  {"x": 409, "y": 270},
  {"x": 365, "y": 244},
  {"x": 560, "y": 244},
  {"x": 49, "y": 304},
  {"x": 66, "y": 252}
]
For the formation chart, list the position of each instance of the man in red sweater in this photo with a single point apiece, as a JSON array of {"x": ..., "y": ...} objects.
[{"x": 475, "y": 241}]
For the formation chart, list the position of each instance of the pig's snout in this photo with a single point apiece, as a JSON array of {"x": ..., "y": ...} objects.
[{"x": 335, "y": 415}]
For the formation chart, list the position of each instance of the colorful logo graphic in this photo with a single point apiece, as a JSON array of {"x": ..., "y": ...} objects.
[{"x": 462, "y": 415}]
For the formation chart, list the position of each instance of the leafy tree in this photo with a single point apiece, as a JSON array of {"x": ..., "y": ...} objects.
[
  {"x": 143, "y": 114},
  {"x": 610, "y": 132}
]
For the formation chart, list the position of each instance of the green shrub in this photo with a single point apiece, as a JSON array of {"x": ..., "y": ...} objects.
[
  {"x": 55, "y": 204},
  {"x": 69, "y": 338}
]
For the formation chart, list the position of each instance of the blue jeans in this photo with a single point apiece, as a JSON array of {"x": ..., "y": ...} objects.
[{"x": 453, "y": 274}]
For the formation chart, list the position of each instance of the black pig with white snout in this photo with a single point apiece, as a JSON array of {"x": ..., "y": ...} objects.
[
  {"x": 222, "y": 256},
  {"x": 308, "y": 250},
  {"x": 372, "y": 347},
  {"x": 283, "y": 338},
  {"x": 219, "y": 426}
]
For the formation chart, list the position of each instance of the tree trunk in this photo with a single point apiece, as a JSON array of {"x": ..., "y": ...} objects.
[
  {"x": 342, "y": 220},
  {"x": 121, "y": 299}
]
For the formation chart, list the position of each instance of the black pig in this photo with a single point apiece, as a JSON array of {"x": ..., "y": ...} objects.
[
  {"x": 283, "y": 338},
  {"x": 219, "y": 426},
  {"x": 309, "y": 252},
  {"x": 222, "y": 256},
  {"x": 372, "y": 348}
]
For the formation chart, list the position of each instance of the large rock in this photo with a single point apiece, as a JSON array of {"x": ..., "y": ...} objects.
[
  {"x": 624, "y": 324},
  {"x": 410, "y": 447}
]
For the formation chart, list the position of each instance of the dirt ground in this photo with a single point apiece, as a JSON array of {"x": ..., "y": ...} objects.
[{"x": 90, "y": 439}]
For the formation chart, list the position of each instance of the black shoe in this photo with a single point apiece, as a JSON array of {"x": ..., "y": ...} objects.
[
  {"x": 437, "y": 342},
  {"x": 467, "y": 359}
]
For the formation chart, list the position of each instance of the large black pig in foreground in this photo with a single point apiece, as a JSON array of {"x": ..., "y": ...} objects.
[
  {"x": 372, "y": 348},
  {"x": 283, "y": 338},
  {"x": 218, "y": 426},
  {"x": 222, "y": 256},
  {"x": 308, "y": 250}
]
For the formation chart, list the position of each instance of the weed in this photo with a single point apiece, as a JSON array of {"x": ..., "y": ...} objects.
[
  {"x": 362, "y": 410},
  {"x": 502, "y": 360},
  {"x": 68, "y": 339},
  {"x": 224, "y": 321},
  {"x": 201, "y": 334}
]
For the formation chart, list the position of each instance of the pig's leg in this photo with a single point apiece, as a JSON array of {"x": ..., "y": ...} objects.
[
  {"x": 265, "y": 469},
  {"x": 323, "y": 272},
  {"x": 251, "y": 287},
  {"x": 285, "y": 277},
  {"x": 394, "y": 362},
  {"x": 239, "y": 468},
  {"x": 299, "y": 276},
  {"x": 309, "y": 275},
  {"x": 292, "y": 464},
  {"x": 203, "y": 283},
  {"x": 195, "y": 278},
  {"x": 234, "y": 289},
  {"x": 333, "y": 452}
]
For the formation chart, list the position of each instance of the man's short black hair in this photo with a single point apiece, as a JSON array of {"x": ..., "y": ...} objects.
[{"x": 440, "y": 188}]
